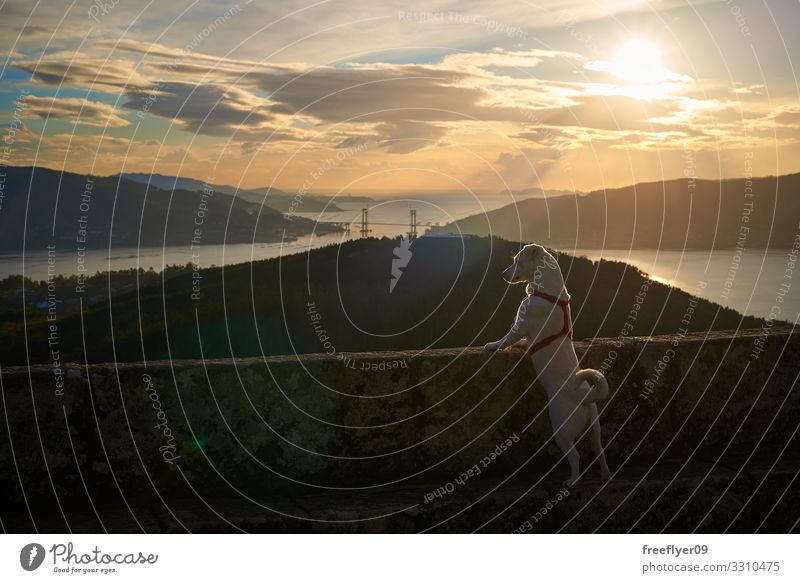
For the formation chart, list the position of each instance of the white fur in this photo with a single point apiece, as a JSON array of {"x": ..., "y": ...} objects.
[{"x": 572, "y": 393}]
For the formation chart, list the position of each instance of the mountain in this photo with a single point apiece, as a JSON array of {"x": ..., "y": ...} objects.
[
  {"x": 336, "y": 299},
  {"x": 539, "y": 193},
  {"x": 272, "y": 197},
  {"x": 674, "y": 214},
  {"x": 73, "y": 211}
]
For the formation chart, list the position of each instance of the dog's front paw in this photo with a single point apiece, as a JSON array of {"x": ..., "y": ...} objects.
[{"x": 490, "y": 347}]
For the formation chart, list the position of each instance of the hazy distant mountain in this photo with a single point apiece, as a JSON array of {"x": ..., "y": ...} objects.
[
  {"x": 540, "y": 193},
  {"x": 72, "y": 210},
  {"x": 675, "y": 214},
  {"x": 275, "y": 198}
]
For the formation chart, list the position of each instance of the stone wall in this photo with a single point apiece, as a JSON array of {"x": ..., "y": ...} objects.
[{"x": 440, "y": 423}]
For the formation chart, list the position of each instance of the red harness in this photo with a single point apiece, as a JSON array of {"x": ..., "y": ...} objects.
[{"x": 566, "y": 329}]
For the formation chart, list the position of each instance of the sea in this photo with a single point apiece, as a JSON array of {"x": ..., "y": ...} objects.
[
  {"x": 387, "y": 216},
  {"x": 754, "y": 282}
]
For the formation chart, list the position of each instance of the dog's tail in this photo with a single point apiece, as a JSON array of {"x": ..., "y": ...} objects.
[{"x": 598, "y": 385}]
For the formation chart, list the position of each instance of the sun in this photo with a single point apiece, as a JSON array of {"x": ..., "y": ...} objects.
[
  {"x": 638, "y": 61},
  {"x": 639, "y": 71}
]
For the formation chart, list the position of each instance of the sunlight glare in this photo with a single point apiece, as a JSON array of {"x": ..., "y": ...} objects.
[{"x": 639, "y": 61}]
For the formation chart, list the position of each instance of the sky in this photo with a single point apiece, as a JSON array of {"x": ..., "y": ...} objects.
[{"x": 348, "y": 96}]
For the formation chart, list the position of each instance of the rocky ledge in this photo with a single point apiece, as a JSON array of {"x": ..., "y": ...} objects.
[{"x": 700, "y": 430}]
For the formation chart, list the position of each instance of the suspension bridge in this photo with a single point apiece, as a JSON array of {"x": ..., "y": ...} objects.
[{"x": 364, "y": 228}]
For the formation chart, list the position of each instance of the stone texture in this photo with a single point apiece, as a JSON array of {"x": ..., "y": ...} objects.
[{"x": 314, "y": 443}]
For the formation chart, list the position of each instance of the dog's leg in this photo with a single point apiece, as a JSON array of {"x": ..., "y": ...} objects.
[
  {"x": 573, "y": 457},
  {"x": 597, "y": 448},
  {"x": 518, "y": 332},
  {"x": 512, "y": 337}
]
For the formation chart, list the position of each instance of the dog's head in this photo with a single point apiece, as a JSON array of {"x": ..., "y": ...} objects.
[{"x": 529, "y": 264}]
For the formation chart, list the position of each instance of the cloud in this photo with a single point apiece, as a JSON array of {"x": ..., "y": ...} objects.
[
  {"x": 208, "y": 106},
  {"x": 76, "y": 110},
  {"x": 335, "y": 29},
  {"x": 175, "y": 56},
  {"x": 545, "y": 102},
  {"x": 214, "y": 110},
  {"x": 406, "y": 137},
  {"x": 788, "y": 116},
  {"x": 18, "y": 135},
  {"x": 80, "y": 70},
  {"x": 402, "y": 106},
  {"x": 522, "y": 169},
  {"x": 609, "y": 112}
]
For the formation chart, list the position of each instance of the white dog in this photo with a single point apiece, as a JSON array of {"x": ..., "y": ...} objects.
[{"x": 544, "y": 319}]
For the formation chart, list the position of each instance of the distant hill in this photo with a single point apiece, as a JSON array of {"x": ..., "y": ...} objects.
[
  {"x": 540, "y": 193},
  {"x": 71, "y": 210},
  {"x": 272, "y": 197},
  {"x": 449, "y": 295},
  {"x": 675, "y": 214},
  {"x": 349, "y": 198}
]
